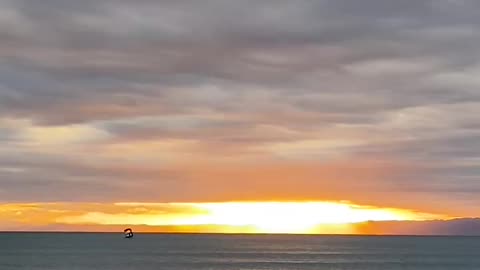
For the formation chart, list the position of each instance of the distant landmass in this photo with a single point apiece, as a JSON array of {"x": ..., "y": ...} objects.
[{"x": 463, "y": 226}]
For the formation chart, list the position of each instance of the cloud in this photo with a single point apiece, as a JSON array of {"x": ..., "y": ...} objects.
[
  {"x": 92, "y": 61},
  {"x": 113, "y": 99}
]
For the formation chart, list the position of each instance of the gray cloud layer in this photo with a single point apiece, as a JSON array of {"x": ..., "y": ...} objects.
[{"x": 402, "y": 74}]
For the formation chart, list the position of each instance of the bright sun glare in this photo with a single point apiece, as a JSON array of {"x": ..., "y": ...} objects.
[
  {"x": 248, "y": 217},
  {"x": 286, "y": 217}
]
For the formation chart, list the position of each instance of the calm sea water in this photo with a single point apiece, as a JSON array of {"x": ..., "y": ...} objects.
[{"x": 76, "y": 251}]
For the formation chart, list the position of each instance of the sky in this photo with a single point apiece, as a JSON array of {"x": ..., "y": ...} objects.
[{"x": 371, "y": 103}]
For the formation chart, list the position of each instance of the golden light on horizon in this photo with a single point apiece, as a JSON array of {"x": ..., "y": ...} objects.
[
  {"x": 259, "y": 217},
  {"x": 294, "y": 217},
  {"x": 317, "y": 217},
  {"x": 288, "y": 217}
]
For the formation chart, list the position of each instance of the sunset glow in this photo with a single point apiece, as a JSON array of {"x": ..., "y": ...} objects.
[
  {"x": 277, "y": 217},
  {"x": 232, "y": 217}
]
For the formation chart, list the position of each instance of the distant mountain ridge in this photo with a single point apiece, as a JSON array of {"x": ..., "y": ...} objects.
[{"x": 460, "y": 226}]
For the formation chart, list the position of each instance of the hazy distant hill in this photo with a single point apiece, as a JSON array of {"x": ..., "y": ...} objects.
[{"x": 466, "y": 226}]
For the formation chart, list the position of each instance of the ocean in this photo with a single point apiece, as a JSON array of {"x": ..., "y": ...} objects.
[{"x": 106, "y": 251}]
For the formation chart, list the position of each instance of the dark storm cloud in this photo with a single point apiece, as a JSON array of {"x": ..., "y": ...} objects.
[{"x": 401, "y": 75}]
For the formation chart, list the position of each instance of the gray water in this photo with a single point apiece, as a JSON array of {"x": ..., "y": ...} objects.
[{"x": 76, "y": 251}]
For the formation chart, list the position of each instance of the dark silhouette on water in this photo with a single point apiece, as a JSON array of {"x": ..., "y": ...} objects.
[{"x": 128, "y": 233}]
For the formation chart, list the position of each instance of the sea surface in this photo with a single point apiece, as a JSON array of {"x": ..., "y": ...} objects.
[{"x": 90, "y": 251}]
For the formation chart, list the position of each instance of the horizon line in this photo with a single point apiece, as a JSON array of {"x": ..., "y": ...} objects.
[{"x": 243, "y": 234}]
